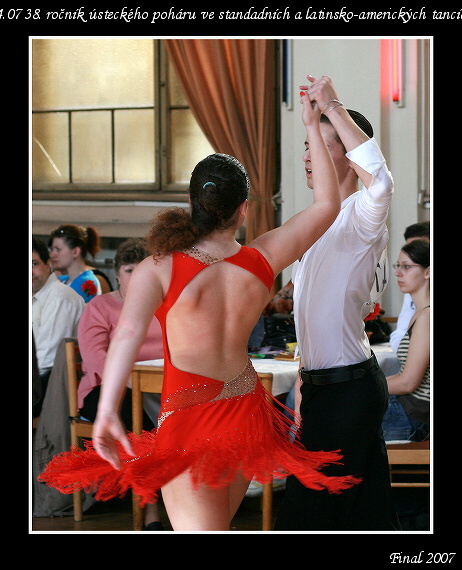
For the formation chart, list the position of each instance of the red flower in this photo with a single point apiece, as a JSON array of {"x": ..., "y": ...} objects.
[
  {"x": 375, "y": 313},
  {"x": 89, "y": 287}
]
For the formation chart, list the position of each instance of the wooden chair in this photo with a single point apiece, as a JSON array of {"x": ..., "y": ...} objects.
[
  {"x": 79, "y": 428},
  {"x": 152, "y": 382},
  {"x": 408, "y": 459},
  {"x": 267, "y": 495}
]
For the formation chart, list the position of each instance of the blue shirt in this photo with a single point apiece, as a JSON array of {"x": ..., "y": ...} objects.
[{"x": 86, "y": 284}]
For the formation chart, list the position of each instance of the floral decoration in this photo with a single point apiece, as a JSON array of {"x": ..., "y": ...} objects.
[
  {"x": 89, "y": 287},
  {"x": 375, "y": 313}
]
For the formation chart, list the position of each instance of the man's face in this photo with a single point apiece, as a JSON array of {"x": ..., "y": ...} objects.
[
  {"x": 40, "y": 272},
  {"x": 337, "y": 152}
]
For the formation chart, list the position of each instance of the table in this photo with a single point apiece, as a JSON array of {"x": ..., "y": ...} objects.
[
  {"x": 386, "y": 357},
  {"x": 279, "y": 374},
  {"x": 283, "y": 373}
]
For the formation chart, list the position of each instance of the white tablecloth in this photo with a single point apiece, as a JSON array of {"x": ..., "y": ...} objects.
[
  {"x": 387, "y": 359},
  {"x": 284, "y": 372}
]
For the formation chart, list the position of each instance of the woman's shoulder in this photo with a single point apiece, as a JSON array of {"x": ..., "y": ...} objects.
[
  {"x": 154, "y": 264},
  {"x": 420, "y": 321},
  {"x": 154, "y": 270},
  {"x": 104, "y": 303},
  {"x": 88, "y": 274},
  {"x": 106, "y": 299},
  {"x": 424, "y": 313}
]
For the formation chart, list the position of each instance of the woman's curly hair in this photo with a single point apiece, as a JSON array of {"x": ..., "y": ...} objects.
[{"x": 219, "y": 184}]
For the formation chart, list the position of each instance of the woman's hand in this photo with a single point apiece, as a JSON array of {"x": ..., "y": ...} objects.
[
  {"x": 321, "y": 91},
  {"x": 311, "y": 111},
  {"x": 107, "y": 431}
]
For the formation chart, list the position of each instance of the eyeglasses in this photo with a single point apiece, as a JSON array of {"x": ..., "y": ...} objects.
[{"x": 405, "y": 267}]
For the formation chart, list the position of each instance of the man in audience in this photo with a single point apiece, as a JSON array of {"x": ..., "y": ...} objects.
[{"x": 56, "y": 310}]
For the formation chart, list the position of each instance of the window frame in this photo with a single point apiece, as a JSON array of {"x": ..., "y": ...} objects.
[{"x": 161, "y": 189}]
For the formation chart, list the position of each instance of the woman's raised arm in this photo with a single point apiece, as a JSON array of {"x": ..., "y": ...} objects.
[{"x": 283, "y": 245}]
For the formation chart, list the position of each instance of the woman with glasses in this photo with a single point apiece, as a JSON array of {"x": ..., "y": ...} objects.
[
  {"x": 408, "y": 413},
  {"x": 70, "y": 245}
]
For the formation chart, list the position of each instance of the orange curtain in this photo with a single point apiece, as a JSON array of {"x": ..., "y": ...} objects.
[{"x": 230, "y": 85}]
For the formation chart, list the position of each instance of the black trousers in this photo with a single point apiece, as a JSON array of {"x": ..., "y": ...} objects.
[
  {"x": 42, "y": 388},
  {"x": 90, "y": 407},
  {"x": 346, "y": 416}
]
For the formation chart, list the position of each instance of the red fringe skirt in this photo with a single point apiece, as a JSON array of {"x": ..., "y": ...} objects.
[{"x": 214, "y": 439}]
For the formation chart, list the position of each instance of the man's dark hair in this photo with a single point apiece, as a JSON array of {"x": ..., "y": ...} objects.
[
  {"x": 41, "y": 249},
  {"x": 418, "y": 230},
  {"x": 358, "y": 118}
]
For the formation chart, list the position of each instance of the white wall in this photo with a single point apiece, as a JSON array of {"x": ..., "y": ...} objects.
[
  {"x": 111, "y": 219},
  {"x": 355, "y": 67}
]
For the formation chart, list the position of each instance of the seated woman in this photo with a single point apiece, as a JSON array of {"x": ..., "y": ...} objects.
[
  {"x": 70, "y": 245},
  {"x": 408, "y": 412},
  {"x": 96, "y": 327}
]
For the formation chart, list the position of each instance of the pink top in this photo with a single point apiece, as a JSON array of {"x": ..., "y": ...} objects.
[{"x": 95, "y": 330}]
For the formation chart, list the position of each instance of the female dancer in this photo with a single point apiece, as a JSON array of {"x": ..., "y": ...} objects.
[{"x": 216, "y": 429}]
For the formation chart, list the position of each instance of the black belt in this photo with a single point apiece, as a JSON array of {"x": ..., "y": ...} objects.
[{"x": 340, "y": 374}]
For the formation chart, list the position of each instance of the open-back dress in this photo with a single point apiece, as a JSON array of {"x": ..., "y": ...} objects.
[{"x": 211, "y": 427}]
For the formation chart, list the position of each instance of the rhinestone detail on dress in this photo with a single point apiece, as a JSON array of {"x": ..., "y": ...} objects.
[
  {"x": 200, "y": 255},
  {"x": 242, "y": 384}
]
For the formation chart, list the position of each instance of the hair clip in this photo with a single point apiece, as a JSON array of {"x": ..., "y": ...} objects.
[{"x": 207, "y": 183}]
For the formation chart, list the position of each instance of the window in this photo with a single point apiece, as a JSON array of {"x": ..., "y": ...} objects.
[{"x": 110, "y": 122}]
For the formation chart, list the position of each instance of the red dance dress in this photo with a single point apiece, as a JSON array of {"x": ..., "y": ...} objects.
[{"x": 210, "y": 427}]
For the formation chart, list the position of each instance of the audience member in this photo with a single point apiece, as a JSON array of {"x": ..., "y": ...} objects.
[
  {"x": 70, "y": 245},
  {"x": 408, "y": 412},
  {"x": 96, "y": 328},
  {"x": 218, "y": 427},
  {"x": 341, "y": 392},
  {"x": 97, "y": 325},
  {"x": 56, "y": 310},
  {"x": 414, "y": 231},
  {"x": 36, "y": 383},
  {"x": 282, "y": 302},
  {"x": 104, "y": 281}
]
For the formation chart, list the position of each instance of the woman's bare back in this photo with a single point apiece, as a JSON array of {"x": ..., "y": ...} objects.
[{"x": 209, "y": 325}]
